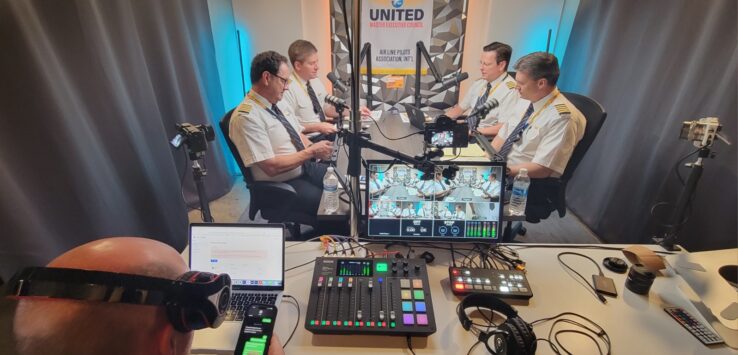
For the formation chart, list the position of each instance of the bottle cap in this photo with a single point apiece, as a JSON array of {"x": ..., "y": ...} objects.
[{"x": 524, "y": 171}]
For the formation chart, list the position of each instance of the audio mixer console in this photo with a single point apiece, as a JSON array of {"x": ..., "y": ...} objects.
[{"x": 370, "y": 296}]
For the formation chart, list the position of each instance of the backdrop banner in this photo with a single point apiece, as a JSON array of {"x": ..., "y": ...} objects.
[{"x": 393, "y": 27}]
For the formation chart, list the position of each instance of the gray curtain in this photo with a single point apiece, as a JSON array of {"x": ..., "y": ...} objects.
[
  {"x": 91, "y": 92},
  {"x": 653, "y": 64}
]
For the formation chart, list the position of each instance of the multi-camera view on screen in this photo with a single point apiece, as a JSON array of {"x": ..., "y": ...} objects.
[{"x": 402, "y": 202}]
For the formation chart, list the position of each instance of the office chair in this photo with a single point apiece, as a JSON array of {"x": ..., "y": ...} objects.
[
  {"x": 272, "y": 198},
  {"x": 549, "y": 194}
]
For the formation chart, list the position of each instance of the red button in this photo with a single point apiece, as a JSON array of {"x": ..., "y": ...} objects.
[
  {"x": 351, "y": 323},
  {"x": 455, "y": 271}
]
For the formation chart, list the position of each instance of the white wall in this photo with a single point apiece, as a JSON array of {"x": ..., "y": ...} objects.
[
  {"x": 275, "y": 24},
  {"x": 523, "y": 24}
]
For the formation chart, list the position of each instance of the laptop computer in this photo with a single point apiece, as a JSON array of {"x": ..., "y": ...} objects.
[
  {"x": 415, "y": 115},
  {"x": 253, "y": 256}
]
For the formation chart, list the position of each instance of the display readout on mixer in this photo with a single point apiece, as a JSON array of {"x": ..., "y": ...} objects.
[{"x": 355, "y": 268}]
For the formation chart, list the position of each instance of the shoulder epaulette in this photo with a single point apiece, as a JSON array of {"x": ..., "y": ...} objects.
[
  {"x": 510, "y": 85},
  {"x": 562, "y": 109},
  {"x": 244, "y": 108}
]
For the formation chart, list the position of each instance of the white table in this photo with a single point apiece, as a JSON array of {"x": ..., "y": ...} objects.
[{"x": 636, "y": 324}]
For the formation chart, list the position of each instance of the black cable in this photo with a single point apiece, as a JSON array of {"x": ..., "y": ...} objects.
[
  {"x": 410, "y": 345},
  {"x": 301, "y": 265},
  {"x": 595, "y": 329},
  {"x": 597, "y": 294},
  {"x": 297, "y": 323},
  {"x": 601, "y": 247}
]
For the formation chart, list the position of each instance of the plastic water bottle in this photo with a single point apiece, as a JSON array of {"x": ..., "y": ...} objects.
[
  {"x": 519, "y": 196},
  {"x": 330, "y": 191}
]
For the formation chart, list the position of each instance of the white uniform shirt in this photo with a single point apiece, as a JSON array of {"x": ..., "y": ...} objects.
[
  {"x": 407, "y": 213},
  {"x": 297, "y": 99},
  {"x": 491, "y": 188},
  {"x": 459, "y": 215},
  {"x": 375, "y": 185},
  {"x": 551, "y": 135},
  {"x": 259, "y": 136},
  {"x": 503, "y": 90}
]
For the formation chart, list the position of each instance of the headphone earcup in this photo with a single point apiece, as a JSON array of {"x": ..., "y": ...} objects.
[
  {"x": 515, "y": 340},
  {"x": 528, "y": 344}
]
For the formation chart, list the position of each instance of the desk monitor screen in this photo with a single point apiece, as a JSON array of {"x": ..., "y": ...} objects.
[{"x": 403, "y": 205}]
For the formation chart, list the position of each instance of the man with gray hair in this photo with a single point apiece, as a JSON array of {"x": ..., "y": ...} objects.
[{"x": 543, "y": 139}]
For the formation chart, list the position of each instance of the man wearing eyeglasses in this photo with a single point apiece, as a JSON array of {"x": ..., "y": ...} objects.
[
  {"x": 496, "y": 84},
  {"x": 269, "y": 138}
]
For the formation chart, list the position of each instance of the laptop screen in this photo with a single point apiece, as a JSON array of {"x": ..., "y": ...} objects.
[
  {"x": 404, "y": 204},
  {"x": 252, "y": 255}
]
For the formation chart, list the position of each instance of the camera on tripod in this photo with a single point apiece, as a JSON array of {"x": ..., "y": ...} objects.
[
  {"x": 447, "y": 133},
  {"x": 195, "y": 137}
]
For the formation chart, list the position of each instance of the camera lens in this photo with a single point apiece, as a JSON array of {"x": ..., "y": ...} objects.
[{"x": 639, "y": 279}]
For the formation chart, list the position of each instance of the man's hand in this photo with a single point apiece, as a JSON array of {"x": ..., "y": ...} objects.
[
  {"x": 321, "y": 150},
  {"x": 365, "y": 111},
  {"x": 326, "y": 128},
  {"x": 275, "y": 346}
]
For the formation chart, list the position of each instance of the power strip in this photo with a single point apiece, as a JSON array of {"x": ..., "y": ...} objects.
[{"x": 345, "y": 250}]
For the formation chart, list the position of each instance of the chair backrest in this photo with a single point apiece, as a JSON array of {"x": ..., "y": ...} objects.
[
  {"x": 225, "y": 128},
  {"x": 595, "y": 115}
]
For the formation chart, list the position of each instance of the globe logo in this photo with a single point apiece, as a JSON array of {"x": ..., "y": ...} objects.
[{"x": 397, "y": 3}]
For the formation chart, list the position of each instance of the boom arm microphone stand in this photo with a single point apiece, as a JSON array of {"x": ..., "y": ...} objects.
[{"x": 420, "y": 50}]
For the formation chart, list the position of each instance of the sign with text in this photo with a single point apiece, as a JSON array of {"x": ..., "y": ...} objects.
[{"x": 393, "y": 27}]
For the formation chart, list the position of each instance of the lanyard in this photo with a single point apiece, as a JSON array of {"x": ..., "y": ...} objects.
[
  {"x": 492, "y": 90},
  {"x": 535, "y": 115},
  {"x": 302, "y": 85},
  {"x": 258, "y": 102}
]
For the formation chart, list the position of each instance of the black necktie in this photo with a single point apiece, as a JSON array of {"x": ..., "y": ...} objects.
[
  {"x": 294, "y": 136},
  {"x": 513, "y": 136},
  {"x": 316, "y": 104},
  {"x": 480, "y": 101}
]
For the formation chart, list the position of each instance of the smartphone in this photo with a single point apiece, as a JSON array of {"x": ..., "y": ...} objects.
[{"x": 256, "y": 330}]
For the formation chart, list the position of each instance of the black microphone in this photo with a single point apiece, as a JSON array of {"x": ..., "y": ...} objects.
[
  {"x": 336, "y": 82},
  {"x": 483, "y": 109},
  {"x": 453, "y": 81},
  {"x": 335, "y": 101}
]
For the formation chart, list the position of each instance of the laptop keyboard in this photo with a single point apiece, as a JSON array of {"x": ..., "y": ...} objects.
[{"x": 240, "y": 302}]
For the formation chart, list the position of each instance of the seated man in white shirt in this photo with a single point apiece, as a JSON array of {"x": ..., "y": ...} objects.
[
  {"x": 495, "y": 83},
  {"x": 426, "y": 210},
  {"x": 268, "y": 139},
  {"x": 459, "y": 213},
  {"x": 543, "y": 140},
  {"x": 306, "y": 94},
  {"x": 376, "y": 186},
  {"x": 491, "y": 188},
  {"x": 408, "y": 211}
]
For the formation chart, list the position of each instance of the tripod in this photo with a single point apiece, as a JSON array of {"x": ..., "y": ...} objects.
[{"x": 197, "y": 173}]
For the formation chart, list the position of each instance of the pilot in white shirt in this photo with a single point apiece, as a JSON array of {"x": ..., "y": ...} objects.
[
  {"x": 496, "y": 84},
  {"x": 543, "y": 139},
  {"x": 491, "y": 187},
  {"x": 459, "y": 212}
]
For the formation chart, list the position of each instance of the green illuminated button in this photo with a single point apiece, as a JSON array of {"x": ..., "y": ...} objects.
[
  {"x": 381, "y": 267},
  {"x": 392, "y": 324},
  {"x": 266, "y": 320},
  {"x": 322, "y": 323},
  {"x": 312, "y": 322},
  {"x": 418, "y": 294}
]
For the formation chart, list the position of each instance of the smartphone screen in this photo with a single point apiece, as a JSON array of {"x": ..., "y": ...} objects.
[{"x": 256, "y": 330}]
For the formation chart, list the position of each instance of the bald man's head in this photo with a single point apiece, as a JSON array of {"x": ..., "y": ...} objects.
[{"x": 82, "y": 327}]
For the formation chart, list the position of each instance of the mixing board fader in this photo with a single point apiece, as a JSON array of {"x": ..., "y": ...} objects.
[{"x": 370, "y": 296}]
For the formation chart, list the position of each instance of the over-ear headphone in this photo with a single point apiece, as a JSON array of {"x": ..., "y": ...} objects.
[
  {"x": 514, "y": 336},
  {"x": 195, "y": 300}
]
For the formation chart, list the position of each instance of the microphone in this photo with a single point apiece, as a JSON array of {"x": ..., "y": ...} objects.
[
  {"x": 483, "y": 109},
  {"x": 335, "y": 101},
  {"x": 336, "y": 82},
  {"x": 453, "y": 81}
]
